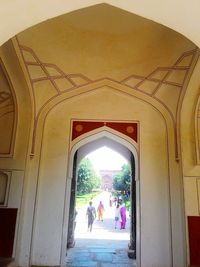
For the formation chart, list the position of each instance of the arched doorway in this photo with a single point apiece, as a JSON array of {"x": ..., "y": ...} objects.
[
  {"x": 129, "y": 151},
  {"x": 155, "y": 179}
]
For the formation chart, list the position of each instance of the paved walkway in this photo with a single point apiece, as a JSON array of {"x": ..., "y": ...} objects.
[{"x": 105, "y": 246}]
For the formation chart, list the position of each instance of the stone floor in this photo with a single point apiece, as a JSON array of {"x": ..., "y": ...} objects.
[
  {"x": 95, "y": 253},
  {"x": 105, "y": 246}
]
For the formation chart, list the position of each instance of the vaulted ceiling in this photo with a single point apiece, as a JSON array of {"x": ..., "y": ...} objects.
[{"x": 181, "y": 16}]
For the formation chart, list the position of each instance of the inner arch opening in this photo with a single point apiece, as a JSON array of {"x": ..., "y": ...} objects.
[{"x": 104, "y": 243}]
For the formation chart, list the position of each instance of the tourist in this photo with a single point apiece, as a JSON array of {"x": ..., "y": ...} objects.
[
  {"x": 120, "y": 200},
  {"x": 110, "y": 200},
  {"x": 115, "y": 201},
  {"x": 91, "y": 213},
  {"x": 100, "y": 211},
  {"x": 117, "y": 215},
  {"x": 123, "y": 216}
]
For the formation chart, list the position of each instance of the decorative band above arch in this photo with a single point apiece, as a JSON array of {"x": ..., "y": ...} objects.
[{"x": 127, "y": 128}]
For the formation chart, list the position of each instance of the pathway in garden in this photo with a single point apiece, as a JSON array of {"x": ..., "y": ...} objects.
[{"x": 105, "y": 246}]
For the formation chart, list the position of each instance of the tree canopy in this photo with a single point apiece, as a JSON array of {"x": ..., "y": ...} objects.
[
  {"x": 122, "y": 180},
  {"x": 87, "y": 177}
]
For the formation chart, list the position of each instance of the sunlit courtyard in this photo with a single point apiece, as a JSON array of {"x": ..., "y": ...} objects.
[
  {"x": 107, "y": 243},
  {"x": 101, "y": 230},
  {"x": 104, "y": 246}
]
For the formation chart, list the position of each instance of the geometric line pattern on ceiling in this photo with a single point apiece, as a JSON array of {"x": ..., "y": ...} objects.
[
  {"x": 161, "y": 75},
  {"x": 152, "y": 84},
  {"x": 167, "y": 71},
  {"x": 45, "y": 68},
  {"x": 174, "y": 76}
]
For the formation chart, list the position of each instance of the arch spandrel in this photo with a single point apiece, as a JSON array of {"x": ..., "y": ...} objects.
[
  {"x": 106, "y": 85},
  {"x": 53, "y": 157},
  {"x": 130, "y": 51},
  {"x": 164, "y": 83}
]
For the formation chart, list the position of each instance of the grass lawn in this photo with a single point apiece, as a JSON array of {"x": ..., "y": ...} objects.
[{"x": 84, "y": 199}]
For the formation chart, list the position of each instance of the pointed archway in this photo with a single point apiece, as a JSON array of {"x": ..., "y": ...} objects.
[{"x": 129, "y": 150}]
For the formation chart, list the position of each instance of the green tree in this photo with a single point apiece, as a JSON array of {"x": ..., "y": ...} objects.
[
  {"x": 87, "y": 177},
  {"x": 122, "y": 180}
]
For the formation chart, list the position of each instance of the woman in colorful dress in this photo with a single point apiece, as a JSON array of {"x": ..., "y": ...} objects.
[
  {"x": 100, "y": 211},
  {"x": 123, "y": 216}
]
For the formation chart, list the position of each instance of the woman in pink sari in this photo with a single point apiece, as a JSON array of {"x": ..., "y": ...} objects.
[{"x": 123, "y": 216}]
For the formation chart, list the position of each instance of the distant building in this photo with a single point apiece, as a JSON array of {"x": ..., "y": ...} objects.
[{"x": 107, "y": 178}]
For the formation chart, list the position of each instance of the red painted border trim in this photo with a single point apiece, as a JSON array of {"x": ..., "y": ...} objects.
[
  {"x": 81, "y": 127},
  {"x": 194, "y": 239}
]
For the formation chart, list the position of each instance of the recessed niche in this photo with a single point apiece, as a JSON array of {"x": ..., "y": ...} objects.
[{"x": 4, "y": 185}]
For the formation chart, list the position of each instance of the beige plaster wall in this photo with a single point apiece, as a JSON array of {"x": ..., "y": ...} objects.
[
  {"x": 84, "y": 44},
  {"x": 156, "y": 181},
  {"x": 90, "y": 46},
  {"x": 23, "y": 107},
  {"x": 16, "y": 164},
  {"x": 190, "y": 145},
  {"x": 182, "y": 16},
  {"x": 105, "y": 42},
  {"x": 190, "y": 148},
  {"x": 7, "y": 115}
]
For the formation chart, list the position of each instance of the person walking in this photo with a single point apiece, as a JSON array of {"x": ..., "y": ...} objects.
[
  {"x": 123, "y": 216},
  {"x": 100, "y": 211},
  {"x": 110, "y": 200},
  {"x": 117, "y": 215},
  {"x": 91, "y": 213}
]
